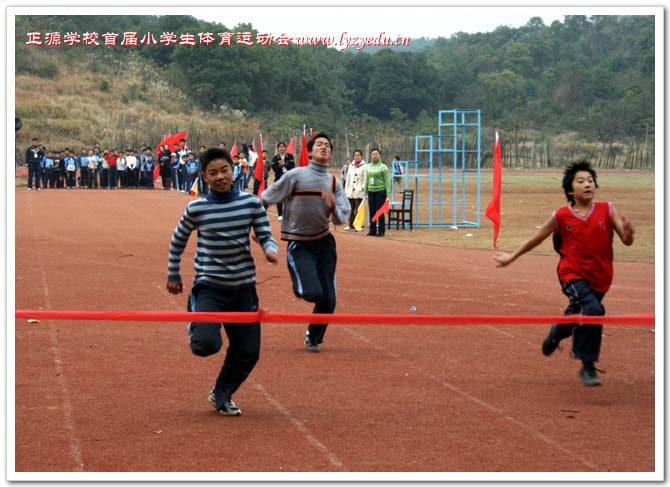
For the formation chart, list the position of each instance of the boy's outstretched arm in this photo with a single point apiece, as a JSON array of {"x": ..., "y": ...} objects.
[
  {"x": 180, "y": 237},
  {"x": 278, "y": 191},
  {"x": 263, "y": 234},
  {"x": 623, "y": 227},
  {"x": 505, "y": 258}
]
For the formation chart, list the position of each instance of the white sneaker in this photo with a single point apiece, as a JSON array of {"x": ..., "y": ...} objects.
[
  {"x": 279, "y": 218},
  {"x": 347, "y": 227}
]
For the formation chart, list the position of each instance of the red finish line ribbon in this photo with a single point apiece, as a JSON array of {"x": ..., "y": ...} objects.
[{"x": 644, "y": 319}]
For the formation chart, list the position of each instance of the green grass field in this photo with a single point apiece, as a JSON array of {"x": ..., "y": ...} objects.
[{"x": 528, "y": 200}]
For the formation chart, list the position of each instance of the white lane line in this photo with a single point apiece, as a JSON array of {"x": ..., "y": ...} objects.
[
  {"x": 514, "y": 421},
  {"x": 332, "y": 458},
  {"x": 502, "y": 332},
  {"x": 518, "y": 339},
  {"x": 68, "y": 411},
  {"x": 480, "y": 402}
]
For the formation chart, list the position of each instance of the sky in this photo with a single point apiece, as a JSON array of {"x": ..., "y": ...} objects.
[
  {"x": 394, "y": 20},
  {"x": 414, "y": 22}
]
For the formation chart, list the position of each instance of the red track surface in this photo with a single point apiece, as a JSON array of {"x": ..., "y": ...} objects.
[{"x": 130, "y": 397}]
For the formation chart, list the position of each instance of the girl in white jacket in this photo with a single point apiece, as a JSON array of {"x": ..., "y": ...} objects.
[{"x": 355, "y": 186}]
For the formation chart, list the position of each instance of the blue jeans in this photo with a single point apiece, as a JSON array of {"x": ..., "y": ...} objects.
[
  {"x": 244, "y": 339},
  {"x": 586, "y": 339}
]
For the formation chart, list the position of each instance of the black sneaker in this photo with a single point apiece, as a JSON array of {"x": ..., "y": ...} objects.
[
  {"x": 311, "y": 345},
  {"x": 549, "y": 345},
  {"x": 589, "y": 376},
  {"x": 229, "y": 408}
]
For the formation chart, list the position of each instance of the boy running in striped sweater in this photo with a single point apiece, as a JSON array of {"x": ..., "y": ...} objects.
[{"x": 225, "y": 274}]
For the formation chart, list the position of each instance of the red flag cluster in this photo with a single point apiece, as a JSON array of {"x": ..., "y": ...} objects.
[
  {"x": 259, "y": 170},
  {"x": 291, "y": 147},
  {"x": 171, "y": 141},
  {"x": 493, "y": 209},
  {"x": 304, "y": 157}
]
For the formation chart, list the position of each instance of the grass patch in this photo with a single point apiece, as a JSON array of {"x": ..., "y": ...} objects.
[{"x": 530, "y": 198}]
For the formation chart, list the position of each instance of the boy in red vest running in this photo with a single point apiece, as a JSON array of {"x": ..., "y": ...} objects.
[{"x": 582, "y": 233}]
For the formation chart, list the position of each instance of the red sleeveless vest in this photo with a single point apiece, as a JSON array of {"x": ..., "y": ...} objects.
[{"x": 585, "y": 245}]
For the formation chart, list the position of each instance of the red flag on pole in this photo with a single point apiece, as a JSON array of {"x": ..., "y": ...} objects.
[
  {"x": 259, "y": 171},
  {"x": 291, "y": 147},
  {"x": 157, "y": 170},
  {"x": 493, "y": 209},
  {"x": 304, "y": 157},
  {"x": 194, "y": 188},
  {"x": 383, "y": 209},
  {"x": 234, "y": 150},
  {"x": 171, "y": 140}
]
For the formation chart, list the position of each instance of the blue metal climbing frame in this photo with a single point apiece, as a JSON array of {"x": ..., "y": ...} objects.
[{"x": 445, "y": 173}]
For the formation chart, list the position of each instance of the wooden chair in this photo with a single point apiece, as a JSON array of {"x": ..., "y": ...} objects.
[{"x": 405, "y": 213}]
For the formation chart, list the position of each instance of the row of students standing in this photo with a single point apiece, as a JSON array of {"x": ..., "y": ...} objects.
[
  {"x": 111, "y": 169},
  {"x": 107, "y": 169},
  {"x": 179, "y": 168}
]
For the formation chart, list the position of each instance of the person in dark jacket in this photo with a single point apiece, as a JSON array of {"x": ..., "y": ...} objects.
[
  {"x": 281, "y": 163},
  {"x": 34, "y": 156}
]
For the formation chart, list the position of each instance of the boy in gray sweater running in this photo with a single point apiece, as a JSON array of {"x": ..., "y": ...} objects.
[{"x": 311, "y": 198}]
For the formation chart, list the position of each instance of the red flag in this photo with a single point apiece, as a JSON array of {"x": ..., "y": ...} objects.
[
  {"x": 493, "y": 209},
  {"x": 171, "y": 140},
  {"x": 234, "y": 151},
  {"x": 259, "y": 171},
  {"x": 383, "y": 209},
  {"x": 291, "y": 147},
  {"x": 304, "y": 157},
  {"x": 157, "y": 171},
  {"x": 194, "y": 188}
]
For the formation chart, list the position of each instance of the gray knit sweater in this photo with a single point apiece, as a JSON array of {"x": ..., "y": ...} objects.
[{"x": 306, "y": 213}]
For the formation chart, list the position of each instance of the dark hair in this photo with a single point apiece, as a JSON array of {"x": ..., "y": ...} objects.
[
  {"x": 359, "y": 151},
  {"x": 281, "y": 142},
  {"x": 569, "y": 176},
  {"x": 213, "y": 154},
  {"x": 320, "y": 135},
  {"x": 375, "y": 149}
]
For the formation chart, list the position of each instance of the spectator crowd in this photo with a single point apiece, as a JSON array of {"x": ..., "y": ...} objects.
[{"x": 177, "y": 167}]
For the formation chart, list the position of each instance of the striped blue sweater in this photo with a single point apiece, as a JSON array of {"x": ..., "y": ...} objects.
[{"x": 223, "y": 255}]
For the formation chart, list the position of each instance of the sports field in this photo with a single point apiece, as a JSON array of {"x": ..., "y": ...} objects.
[{"x": 130, "y": 397}]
